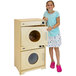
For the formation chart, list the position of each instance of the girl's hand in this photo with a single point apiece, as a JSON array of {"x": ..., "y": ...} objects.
[
  {"x": 46, "y": 19},
  {"x": 49, "y": 28}
]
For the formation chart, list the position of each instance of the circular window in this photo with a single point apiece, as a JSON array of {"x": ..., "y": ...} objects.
[
  {"x": 33, "y": 58},
  {"x": 34, "y": 36}
]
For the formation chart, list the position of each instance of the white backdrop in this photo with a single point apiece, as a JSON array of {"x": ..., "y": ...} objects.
[{"x": 19, "y": 9}]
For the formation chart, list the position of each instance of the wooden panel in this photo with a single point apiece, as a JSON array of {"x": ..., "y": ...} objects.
[
  {"x": 33, "y": 23},
  {"x": 27, "y": 43},
  {"x": 30, "y": 22},
  {"x": 31, "y": 19},
  {"x": 24, "y": 58},
  {"x": 17, "y": 42},
  {"x": 31, "y": 69}
]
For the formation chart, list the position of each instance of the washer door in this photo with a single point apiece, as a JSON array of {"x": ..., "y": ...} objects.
[
  {"x": 32, "y": 58},
  {"x": 33, "y": 37}
]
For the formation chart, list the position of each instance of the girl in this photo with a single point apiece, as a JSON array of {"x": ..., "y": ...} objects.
[{"x": 54, "y": 40}]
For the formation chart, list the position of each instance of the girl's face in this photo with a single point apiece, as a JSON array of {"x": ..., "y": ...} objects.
[{"x": 50, "y": 6}]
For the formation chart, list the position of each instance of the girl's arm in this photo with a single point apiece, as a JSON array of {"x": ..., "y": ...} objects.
[
  {"x": 46, "y": 19},
  {"x": 57, "y": 22},
  {"x": 56, "y": 25},
  {"x": 43, "y": 17}
]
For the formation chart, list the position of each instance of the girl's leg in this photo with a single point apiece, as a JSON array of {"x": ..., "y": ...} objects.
[
  {"x": 58, "y": 66},
  {"x": 57, "y": 55},
  {"x": 51, "y": 53}
]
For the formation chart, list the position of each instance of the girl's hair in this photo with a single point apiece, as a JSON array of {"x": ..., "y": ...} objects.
[{"x": 48, "y": 2}]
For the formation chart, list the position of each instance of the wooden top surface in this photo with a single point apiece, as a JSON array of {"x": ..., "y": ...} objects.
[{"x": 30, "y": 19}]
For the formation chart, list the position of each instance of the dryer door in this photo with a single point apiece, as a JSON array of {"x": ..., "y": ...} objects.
[{"x": 33, "y": 37}]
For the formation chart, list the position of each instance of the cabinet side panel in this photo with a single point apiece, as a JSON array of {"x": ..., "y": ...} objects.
[
  {"x": 17, "y": 44},
  {"x": 45, "y": 56}
]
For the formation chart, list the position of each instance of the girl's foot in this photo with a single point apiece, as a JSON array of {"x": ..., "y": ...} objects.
[
  {"x": 59, "y": 69},
  {"x": 52, "y": 65}
]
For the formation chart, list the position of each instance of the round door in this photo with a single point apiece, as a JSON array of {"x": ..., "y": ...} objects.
[
  {"x": 33, "y": 58},
  {"x": 34, "y": 36}
]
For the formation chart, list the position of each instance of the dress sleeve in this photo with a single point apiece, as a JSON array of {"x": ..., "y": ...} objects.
[{"x": 57, "y": 14}]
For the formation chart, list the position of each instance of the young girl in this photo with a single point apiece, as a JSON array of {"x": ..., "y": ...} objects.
[{"x": 54, "y": 40}]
